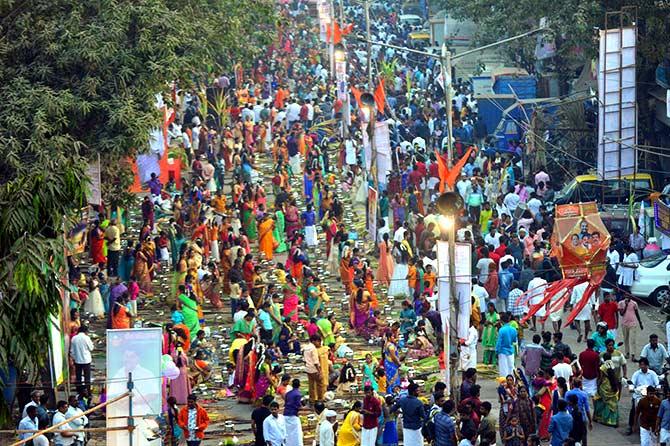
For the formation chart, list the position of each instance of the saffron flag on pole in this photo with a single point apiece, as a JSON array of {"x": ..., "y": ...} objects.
[
  {"x": 442, "y": 170},
  {"x": 380, "y": 96},
  {"x": 357, "y": 95},
  {"x": 456, "y": 169}
]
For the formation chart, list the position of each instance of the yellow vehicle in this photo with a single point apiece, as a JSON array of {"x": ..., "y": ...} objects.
[
  {"x": 419, "y": 39},
  {"x": 585, "y": 188}
]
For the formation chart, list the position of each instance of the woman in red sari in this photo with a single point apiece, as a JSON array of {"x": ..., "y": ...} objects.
[
  {"x": 97, "y": 242},
  {"x": 248, "y": 271},
  {"x": 292, "y": 217},
  {"x": 346, "y": 269}
]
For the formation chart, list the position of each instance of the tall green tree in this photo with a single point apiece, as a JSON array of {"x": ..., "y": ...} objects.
[
  {"x": 78, "y": 78},
  {"x": 573, "y": 25}
]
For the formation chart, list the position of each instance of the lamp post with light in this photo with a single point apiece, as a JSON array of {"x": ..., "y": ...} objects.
[{"x": 449, "y": 205}]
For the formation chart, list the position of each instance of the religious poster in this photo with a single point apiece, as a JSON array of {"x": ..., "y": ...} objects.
[{"x": 580, "y": 239}]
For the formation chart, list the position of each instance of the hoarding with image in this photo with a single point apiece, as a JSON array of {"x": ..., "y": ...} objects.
[{"x": 138, "y": 352}]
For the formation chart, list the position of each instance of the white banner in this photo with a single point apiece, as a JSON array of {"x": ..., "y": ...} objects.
[
  {"x": 617, "y": 109},
  {"x": 93, "y": 172}
]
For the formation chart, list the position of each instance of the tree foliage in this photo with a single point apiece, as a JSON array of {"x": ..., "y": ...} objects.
[
  {"x": 78, "y": 79},
  {"x": 573, "y": 24}
]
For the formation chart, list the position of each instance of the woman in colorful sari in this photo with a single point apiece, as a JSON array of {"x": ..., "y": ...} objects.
[
  {"x": 291, "y": 302},
  {"x": 276, "y": 318},
  {"x": 360, "y": 307},
  {"x": 279, "y": 231},
  {"x": 249, "y": 219},
  {"x": 369, "y": 368},
  {"x": 189, "y": 309},
  {"x": 180, "y": 387},
  {"x": 391, "y": 363},
  {"x": 349, "y": 433},
  {"x": 297, "y": 260},
  {"x": 120, "y": 315},
  {"x": 385, "y": 269},
  {"x": 97, "y": 242},
  {"x": 245, "y": 370},
  {"x": 332, "y": 250},
  {"x": 606, "y": 401},
  {"x": 142, "y": 270},
  {"x": 419, "y": 347},
  {"x": 211, "y": 285},
  {"x": 225, "y": 266},
  {"x": 265, "y": 381},
  {"x": 308, "y": 182},
  {"x": 369, "y": 287},
  {"x": 127, "y": 263},
  {"x": 181, "y": 270},
  {"x": 542, "y": 388},
  {"x": 372, "y": 327},
  {"x": 292, "y": 219},
  {"x": 346, "y": 269},
  {"x": 490, "y": 335},
  {"x": 266, "y": 241}
]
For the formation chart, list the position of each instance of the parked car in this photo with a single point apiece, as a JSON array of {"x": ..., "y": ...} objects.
[
  {"x": 584, "y": 188},
  {"x": 652, "y": 280}
]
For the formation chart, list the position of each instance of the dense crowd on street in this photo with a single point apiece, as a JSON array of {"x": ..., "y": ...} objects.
[{"x": 262, "y": 229}]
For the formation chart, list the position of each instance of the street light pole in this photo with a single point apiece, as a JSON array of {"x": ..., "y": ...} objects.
[
  {"x": 446, "y": 84},
  {"x": 369, "y": 43}
]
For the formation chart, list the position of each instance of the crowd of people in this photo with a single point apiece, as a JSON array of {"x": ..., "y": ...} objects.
[{"x": 263, "y": 228}]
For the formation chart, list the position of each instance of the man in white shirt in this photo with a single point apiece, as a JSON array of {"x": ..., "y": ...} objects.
[
  {"x": 534, "y": 205},
  {"x": 399, "y": 234},
  {"x": 480, "y": 293},
  {"x": 29, "y": 422},
  {"x": 78, "y": 423},
  {"x": 464, "y": 187},
  {"x": 536, "y": 288},
  {"x": 561, "y": 369},
  {"x": 81, "y": 348},
  {"x": 483, "y": 266},
  {"x": 627, "y": 269},
  {"x": 492, "y": 238},
  {"x": 292, "y": 113},
  {"x": 34, "y": 401},
  {"x": 274, "y": 427},
  {"x": 63, "y": 436},
  {"x": 326, "y": 433},
  {"x": 512, "y": 201}
]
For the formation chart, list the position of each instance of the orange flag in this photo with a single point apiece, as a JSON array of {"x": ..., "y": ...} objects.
[
  {"x": 456, "y": 169},
  {"x": 380, "y": 96},
  {"x": 442, "y": 170},
  {"x": 334, "y": 32},
  {"x": 357, "y": 95}
]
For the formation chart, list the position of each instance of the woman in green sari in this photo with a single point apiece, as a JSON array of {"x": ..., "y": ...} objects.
[
  {"x": 189, "y": 309},
  {"x": 249, "y": 219},
  {"x": 245, "y": 326},
  {"x": 276, "y": 319},
  {"x": 490, "y": 334},
  {"x": 279, "y": 232},
  {"x": 606, "y": 401}
]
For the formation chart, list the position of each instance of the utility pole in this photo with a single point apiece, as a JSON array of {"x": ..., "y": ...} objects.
[
  {"x": 446, "y": 83},
  {"x": 331, "y": 45},
  {"x": 373, "y": 110},
  {"x": 369, "y": 43},
  {"x": 346, "y": 108}
]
